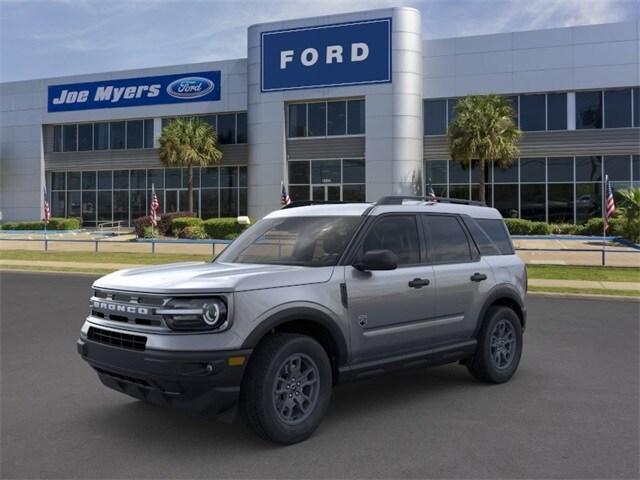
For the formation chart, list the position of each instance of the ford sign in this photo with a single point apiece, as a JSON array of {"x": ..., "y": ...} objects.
[
  {"x": 353, "y": 53},
  {"x": 135, "y": 92},
  {"x": 190, "y": 87}
]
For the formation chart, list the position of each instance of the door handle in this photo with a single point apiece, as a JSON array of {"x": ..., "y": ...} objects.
[
  {"x": 419, "y": 283},
  {"x": 478, "y": 277}
]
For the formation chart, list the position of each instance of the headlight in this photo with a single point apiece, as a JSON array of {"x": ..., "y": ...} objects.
[{"x": 195, "y": 314}]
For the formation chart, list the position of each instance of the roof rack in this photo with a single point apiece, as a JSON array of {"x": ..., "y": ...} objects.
[
  {"x": 399, "y": 199},
  {"x": 306, "y": 203}
]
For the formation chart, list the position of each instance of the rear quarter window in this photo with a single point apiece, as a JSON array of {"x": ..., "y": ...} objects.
[{"x": 497, "y": 231}]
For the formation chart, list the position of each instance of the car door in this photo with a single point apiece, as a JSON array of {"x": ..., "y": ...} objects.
[
  {"x": 462, "y": 278},
  {"x": 389, "y": 310}
]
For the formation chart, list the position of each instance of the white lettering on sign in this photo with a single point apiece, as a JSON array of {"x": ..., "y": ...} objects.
[
  {"x": 73, "y": 96},
  {"x": 359, "y": 52},
  {"x": 107, "y": 94}
]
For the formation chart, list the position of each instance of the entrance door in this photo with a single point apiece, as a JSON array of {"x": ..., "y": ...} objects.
[{"x": 325, "y": 193}]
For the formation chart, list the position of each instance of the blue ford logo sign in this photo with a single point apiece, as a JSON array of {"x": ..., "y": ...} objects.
[{"x": 190, "y": 87}]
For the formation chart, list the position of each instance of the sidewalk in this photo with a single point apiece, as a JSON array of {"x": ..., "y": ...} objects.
[{"x": 586, "y": 284}]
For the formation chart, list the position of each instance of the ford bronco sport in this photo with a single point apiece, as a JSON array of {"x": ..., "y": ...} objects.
[{"x": 310, "y": 297}]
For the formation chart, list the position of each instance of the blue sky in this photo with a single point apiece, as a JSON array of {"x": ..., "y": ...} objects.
[{"x": 45, "y": 38}]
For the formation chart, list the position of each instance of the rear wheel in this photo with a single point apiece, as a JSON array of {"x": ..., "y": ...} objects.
[
  {"x": 287, "y": 388},
  {"x": 499, "y": 346}
]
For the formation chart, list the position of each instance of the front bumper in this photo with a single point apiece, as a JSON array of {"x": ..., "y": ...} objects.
[{"x": 195, "y": 381}]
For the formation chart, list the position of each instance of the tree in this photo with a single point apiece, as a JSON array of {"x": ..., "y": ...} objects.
[
  {"x": 629, "y": 212},
  {"x": 189, "y": 142},
  {"x": 483, "y": 129}
]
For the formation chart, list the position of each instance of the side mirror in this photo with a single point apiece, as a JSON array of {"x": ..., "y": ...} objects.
[{"x": 377, "y": 260}]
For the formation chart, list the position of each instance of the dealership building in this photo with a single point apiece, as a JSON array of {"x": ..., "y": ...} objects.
[{"x": 347, "y": 107}]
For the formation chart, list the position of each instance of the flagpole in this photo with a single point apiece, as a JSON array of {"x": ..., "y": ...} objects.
[
  {"x": 153, "y": 192},
  {"x": 604, "y": 217}
]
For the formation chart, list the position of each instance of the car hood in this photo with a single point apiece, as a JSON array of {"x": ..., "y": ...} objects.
[{"x": 199, "y": 277}]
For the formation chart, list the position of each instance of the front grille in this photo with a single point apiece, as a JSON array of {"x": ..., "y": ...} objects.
[
  {"x": 117, "y": 339},
  {"x": 131, "y": 308}
]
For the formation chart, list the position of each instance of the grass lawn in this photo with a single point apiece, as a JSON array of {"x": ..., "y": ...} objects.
[
  {"x": 602, "y": 274},
  {"x": 587, "y": 291},
  {"x": 101, "y": 257}
]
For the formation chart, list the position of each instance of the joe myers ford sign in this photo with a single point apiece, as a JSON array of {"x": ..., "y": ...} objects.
[
  {"x": 352, "y": 53},
  {"x": 134, "y": 92}
]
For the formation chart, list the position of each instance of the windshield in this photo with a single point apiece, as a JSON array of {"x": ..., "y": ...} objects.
[{"x": 304, "y": 241}]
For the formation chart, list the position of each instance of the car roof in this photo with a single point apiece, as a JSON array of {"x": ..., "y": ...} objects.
[{"x": 357, "y": 209}]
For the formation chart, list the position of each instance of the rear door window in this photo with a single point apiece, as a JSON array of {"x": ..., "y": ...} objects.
[{"x": 447, "y": 241}]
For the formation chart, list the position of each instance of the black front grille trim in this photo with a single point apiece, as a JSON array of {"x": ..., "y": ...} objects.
[
  {"x": 138, "y": 381},
  {"x": 117, "y": 339}
]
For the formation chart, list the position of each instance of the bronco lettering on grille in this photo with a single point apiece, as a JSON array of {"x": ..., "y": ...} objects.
[{"x": 117, "y": 307}]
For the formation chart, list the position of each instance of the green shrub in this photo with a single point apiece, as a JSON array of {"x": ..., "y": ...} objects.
[
  {"x": 180, "y": 223},
  {"x": 148, "y": 232},
  {"x": 518, "y": 226},
  {"x": 139, "y": 225},
  {"x": 9, "y": 226},
  {"x": 562, "y": 228},
  {"x": 166, "y": 219},
  {"x": 193, "y": 232},
  {"x": 32, "y": 225},
  {"x": 56, "y": 223},
  {"x": 220, "y": 228}
]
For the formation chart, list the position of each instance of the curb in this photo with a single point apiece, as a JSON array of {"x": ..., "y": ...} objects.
[{"x": 585, "y": 296}]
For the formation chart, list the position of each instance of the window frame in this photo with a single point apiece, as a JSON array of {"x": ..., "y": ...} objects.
[
  {"x": 306, "y": 104},
  {"x": 474, "y": 253}
]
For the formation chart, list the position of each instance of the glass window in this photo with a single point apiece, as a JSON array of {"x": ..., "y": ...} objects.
[
  {"x": 475, "y": 193},
  {"x": 101, "y": 136},
  {"x": 74, "y": 207},
  {"x": 89, "y": 181},
  {"x": 617, "y": 108},
  {"x": 513, "y": 100},
  {"x": 121, "y": 205},
  {"x": 244, "y": 202},
  {"x": 57, "y": 181},
  {"x": 636, "y": 107},
  {"x": 243, "y": 176},
  {"x": 209, "y": 198},
  {"x": 105, "y": 179},
  {"x": 241, "y": 132},
  {"x": 57, "y": 204},
  {"x": 121, "y": 180},
  {"x": 299, "y": 193},
  {"x": 210, "y": 179},
  {"x": 173, "y": 178},
  {"x": 57, "y": 138},
  {"x": 556, "y": 111},
  {"x": 116, "y": 135},
  {"x": 475, "y": 171},
  {"x": 138, "y": 179},
  {"x": 105, "y": 206},
  {"x": 298, "y": 120},
  {"x": 457, "y": 173},
  {"x": 317, "y": 118},
  {"x": 184, "y": 202},
  {"x": 227, "y": 128},
  {"x": 337, "y": 118},
  {"x": 210, "y": 119},
  {"x": 588, "y": 201},
  {"x": 353, "y": 171},
  {"x": 148, "y": 133},
  {"x": 505, "y": 200},
  {"x": 156, "y": 178},
  {"x": 299, "y": 172},
  {"x": 228, "y": 177},
  {"x": 532, "y": 112},
  {"x": 89, "y": 209},
  {"x": 70, "y": 137},
  {"x": 435, "y": 117},
  {"x": 452, "y": 103},
  {"x": 436, "y": 171},
  {"x": 228, "y": 202},
  {"x": 353, "y": 193},
  {"x": 325, "y": 171},
  {"x": 636, "y": 168},
  {"x": 589, "y": 109},
  {"x": 560, "y": 202},
  {"x": 459, "y": 191},
  {"x": 135, "y": 133},
  {"x": 85, "y": 137},
  {"x": 588, "y": 169},
  {"x": 447, "y": 241},
  {"x": 533, "y": 202},
  {"x": 618, "y": 167},
  {"x": 532, "y": 170},
  {"x": 195, "y": 177},
  {"x": 481, "y": 238},
  {"x": 397, "y": 233},
  {"x": 498, "y": 233},
  {"x": 73, "y": 180},
  {"x": 355, "y": 117},
  {"x": 441, "y": 190},
  {"x": 560, "y": 169},
  {"x": 139, "y": 203},
  {"x": 506, "y": 175}
]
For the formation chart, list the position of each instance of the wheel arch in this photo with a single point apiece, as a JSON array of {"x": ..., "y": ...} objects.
[{"x": 507, "y": 296}]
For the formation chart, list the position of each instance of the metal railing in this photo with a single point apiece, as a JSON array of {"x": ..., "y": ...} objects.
[{"x": 115, "y": 224}]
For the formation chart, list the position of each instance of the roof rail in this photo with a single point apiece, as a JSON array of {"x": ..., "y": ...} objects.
[
  {"x": 399, "y": 199},
  {"x": 306, "y": 203}
]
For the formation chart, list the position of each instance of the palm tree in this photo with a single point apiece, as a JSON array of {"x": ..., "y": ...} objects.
[
  {"x": 629, "y": 211},
  {"x": 483, "y": 128},
  {"x": 189, "y": 142}
]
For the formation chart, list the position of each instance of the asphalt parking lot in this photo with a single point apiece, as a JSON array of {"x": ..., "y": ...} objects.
[{"x": 571, "y": 411}]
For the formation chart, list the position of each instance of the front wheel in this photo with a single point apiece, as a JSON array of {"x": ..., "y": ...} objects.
[
  {"x": 287, "y": 388},
  {"x": 499, "y": 346}
]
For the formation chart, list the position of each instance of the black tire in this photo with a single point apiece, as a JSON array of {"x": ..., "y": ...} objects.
[
  {"x": 270, "y": 410},
  {"x": 497, "y": 363}
]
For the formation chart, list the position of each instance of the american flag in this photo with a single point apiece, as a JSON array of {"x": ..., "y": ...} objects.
[
  {"x": 154, "y": 206},
  {"x": 610, "y": 204},
  {"x": 430, "y": 193},
  {"x": 47, "y": 210},
  {"x": 284, "y": 198}
]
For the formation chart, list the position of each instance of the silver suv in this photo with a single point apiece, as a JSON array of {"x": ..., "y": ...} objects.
[{"x": 310, "y": 297}]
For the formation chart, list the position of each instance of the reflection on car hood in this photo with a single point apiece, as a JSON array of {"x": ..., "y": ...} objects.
[{"x": 198, "y": 277}]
